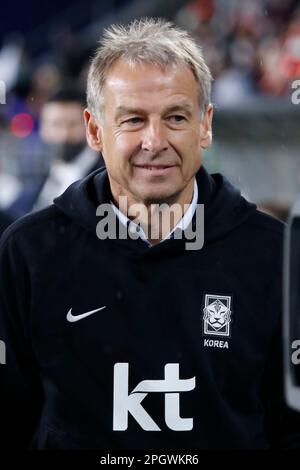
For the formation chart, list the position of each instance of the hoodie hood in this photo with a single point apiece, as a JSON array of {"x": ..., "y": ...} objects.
[{"x": 224, "y": 207}]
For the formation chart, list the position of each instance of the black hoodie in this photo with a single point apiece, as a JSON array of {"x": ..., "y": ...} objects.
[
  {"x": 164, "y": 348},
  {"x": 5, "y": 220}
]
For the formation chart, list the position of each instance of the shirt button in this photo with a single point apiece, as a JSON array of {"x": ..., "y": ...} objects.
[{"x": 132, "y": 229}]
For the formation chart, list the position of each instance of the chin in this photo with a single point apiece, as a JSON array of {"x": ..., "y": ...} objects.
[
  {"x": 157, "y": 193},
  {"x": 158, "y": 197}
]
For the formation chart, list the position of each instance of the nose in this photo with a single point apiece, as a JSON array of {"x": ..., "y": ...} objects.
[{"x": 154, "y": 138}]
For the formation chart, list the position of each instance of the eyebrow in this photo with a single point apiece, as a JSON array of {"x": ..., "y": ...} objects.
[
  {"x": 183, "y": 107},
  {"x": 123, "y": 110}
]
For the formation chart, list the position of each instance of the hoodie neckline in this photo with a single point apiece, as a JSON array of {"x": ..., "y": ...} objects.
[{"x": 224, "y": 207}]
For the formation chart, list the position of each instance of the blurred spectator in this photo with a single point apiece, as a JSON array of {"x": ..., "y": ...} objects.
[
  {"x": 10, "y": 186},
  {"x": 20, "y": 147},
  {"x": 64, "y": 145},
  {"x": 252, "y": 47},
  {"x": 10, "y": 60}
]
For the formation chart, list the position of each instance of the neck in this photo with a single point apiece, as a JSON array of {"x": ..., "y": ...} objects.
[{"x": 157, "y": 218}]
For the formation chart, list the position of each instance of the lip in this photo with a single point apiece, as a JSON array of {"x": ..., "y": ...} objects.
[{"x": 156, "y": 170}]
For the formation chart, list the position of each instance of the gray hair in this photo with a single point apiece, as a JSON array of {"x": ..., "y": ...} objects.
[{"x": 149, "y": 40}]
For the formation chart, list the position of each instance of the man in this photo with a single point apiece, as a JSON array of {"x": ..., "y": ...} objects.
[
  {"x": 64, "y": 144},
  {"x": 129, "y": 341}
]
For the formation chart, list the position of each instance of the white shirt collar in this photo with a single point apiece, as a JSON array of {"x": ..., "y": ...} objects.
[{"x": 182, "y": 224}]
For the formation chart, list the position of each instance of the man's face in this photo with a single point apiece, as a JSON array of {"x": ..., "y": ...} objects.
[
  {"x": 151, "y": 133},
  {"x": 62, "y": 123}
]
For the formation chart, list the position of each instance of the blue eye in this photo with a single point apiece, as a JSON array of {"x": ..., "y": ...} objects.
[
  {"x": 176, "y": 118},
  {"x": 134, "y": 120}
]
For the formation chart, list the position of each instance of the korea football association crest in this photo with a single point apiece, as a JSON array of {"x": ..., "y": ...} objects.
[{"x": 217, "y": 315}]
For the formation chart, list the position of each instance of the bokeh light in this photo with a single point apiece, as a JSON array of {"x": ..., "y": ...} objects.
[{"x": 22, "y": 125}]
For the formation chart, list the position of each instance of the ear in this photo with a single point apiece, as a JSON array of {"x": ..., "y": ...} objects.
[
  {"x": 205, "y": 128},
  {"x": 93, "y": 131}
]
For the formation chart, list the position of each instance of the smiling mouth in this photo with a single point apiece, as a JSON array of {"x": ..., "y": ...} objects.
[
  {"x": 155, "y": 167},
  {"x": 155, "y": 170}
]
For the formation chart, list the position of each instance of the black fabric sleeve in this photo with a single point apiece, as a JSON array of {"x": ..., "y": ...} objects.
[{"x": 20, "y": 384}]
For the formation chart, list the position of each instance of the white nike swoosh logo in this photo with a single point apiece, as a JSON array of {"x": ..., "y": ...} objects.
[{"x": 73, "y": 318}]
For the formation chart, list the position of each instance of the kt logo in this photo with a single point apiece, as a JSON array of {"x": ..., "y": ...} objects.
[{"x": 125, "y": 402}]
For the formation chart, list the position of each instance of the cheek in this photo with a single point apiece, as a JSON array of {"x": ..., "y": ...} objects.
[
  {"x": 190, "y": 150},
  {"x": 187, "y": 143},
  {"x": 117, "y": 150},
  {"x": 125, "y": 145},
  {"x": 194, "y": 143}
]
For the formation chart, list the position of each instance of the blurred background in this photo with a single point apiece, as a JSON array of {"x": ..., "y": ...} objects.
[{"x": 251, "y": 46}]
